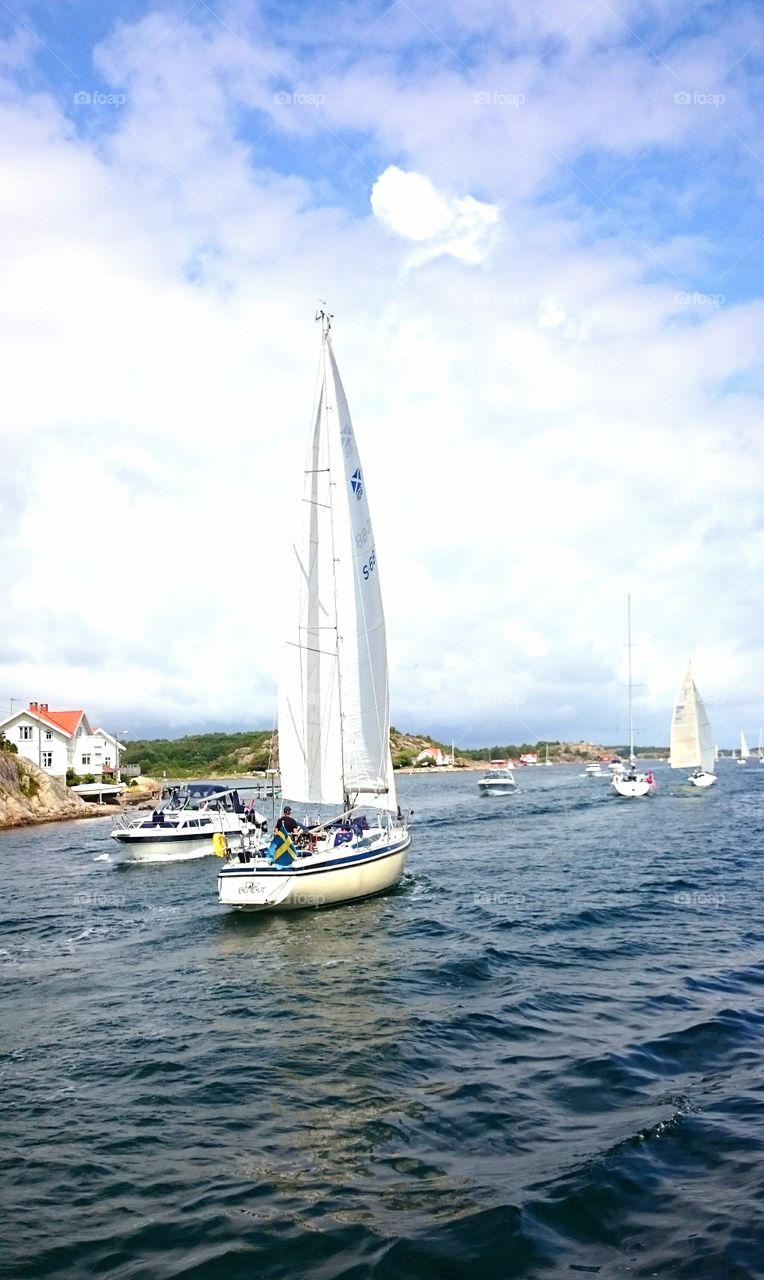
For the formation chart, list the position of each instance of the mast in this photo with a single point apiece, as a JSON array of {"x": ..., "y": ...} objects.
[
  {"x": 325, "y": 320},
  {"x": 632, "y": 758}
]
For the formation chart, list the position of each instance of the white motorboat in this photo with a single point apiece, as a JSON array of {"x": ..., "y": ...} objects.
[
  {"x": 745, "y": 753},
  {"x": 692, "y": 741},
  {"x": 497, "y": 782},
  {"x": 182, "y": 824},
  {"x": 594, "y": 770},
  {"x": 334, "y": 710},
  {"x": 629, "y": 782}
]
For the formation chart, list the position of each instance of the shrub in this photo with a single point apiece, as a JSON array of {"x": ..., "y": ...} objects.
[{"x": 29, "y": 786}]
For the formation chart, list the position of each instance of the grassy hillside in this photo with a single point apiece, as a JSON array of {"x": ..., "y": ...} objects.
[
  {"x": 205, "y": 754},
  {"x": 229, "y": 754}
]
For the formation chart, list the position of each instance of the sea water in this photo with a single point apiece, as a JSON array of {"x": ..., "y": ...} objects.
[{"x": 542, "y": 1055}]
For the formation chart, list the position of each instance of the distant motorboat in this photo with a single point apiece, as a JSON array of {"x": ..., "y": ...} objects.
[
  {"x": 594, "y": 770},
  {"x": 497, "y": 782},
  {"x": 692, "y": 742}
]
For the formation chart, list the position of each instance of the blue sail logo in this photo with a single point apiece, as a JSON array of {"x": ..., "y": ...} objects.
[{"x": 356, "y": 483}]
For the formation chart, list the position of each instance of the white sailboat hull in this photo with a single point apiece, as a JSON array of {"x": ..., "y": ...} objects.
[
  {"x": 703, "y": 779},
  {"x": 345, "y": 874},
  {"x": 631, "y": 788}
]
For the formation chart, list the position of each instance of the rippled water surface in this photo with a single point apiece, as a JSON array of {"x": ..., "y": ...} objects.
[{"x": 543, "y": 1055}]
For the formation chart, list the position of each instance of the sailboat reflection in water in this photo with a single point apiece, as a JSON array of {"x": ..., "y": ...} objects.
[{"x": 334, "y": 703}]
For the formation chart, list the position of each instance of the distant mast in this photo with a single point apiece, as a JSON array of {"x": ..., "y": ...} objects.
[{"x": 632, "y": 757}]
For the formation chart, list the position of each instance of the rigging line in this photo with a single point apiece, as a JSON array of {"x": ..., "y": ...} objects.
[{"x": 310, "y": 648}]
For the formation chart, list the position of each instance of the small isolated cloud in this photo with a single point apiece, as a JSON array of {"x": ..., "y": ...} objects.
[{"x": 411, "y": 206}]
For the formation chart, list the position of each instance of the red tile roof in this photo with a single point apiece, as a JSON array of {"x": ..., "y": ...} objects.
[{"x": 66, "y": 720}]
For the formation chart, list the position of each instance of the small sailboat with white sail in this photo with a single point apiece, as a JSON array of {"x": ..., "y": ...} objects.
[
  {"x": 692, "y": 742},
  {"x": 745, "y": 753},
  {"x": 334, "y": 705},
  {"x": 629, "y": 782}
]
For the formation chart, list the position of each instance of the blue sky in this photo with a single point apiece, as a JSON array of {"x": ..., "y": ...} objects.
[{"x": 540, "y": 229}]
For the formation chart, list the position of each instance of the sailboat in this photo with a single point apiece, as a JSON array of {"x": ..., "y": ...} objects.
[
  {"x": 692, "y": 743},
  {"x": 745, "y": 753},
  {"x": 629, "y": 782},
  {"x": 334, "y": 707}
]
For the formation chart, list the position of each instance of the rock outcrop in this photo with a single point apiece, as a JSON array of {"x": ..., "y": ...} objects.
[{"x": 27, "y": 795}]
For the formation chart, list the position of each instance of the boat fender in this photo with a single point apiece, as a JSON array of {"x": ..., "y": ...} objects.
[{"x": 219, "y": 845}]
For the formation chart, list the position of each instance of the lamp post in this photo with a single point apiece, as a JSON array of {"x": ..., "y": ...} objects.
[{"x": 123, "y": 734}]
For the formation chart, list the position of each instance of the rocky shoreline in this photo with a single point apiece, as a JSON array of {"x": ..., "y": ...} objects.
[{"x": 29, "y": 796}]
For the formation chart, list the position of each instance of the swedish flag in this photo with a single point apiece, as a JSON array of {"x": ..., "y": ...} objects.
[{"x": 281, "y": 851}]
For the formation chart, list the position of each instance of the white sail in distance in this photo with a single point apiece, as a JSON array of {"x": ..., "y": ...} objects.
[
  {"x": 692, "y": 742},
  {"x": 745, "y": 753},
  {"x": 334, "y": 709}
]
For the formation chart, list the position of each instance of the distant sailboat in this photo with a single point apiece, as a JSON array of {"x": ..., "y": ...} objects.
[
  {"x": 745, "y": 753},
  {"x": 628, "y": 782},
  {"x": 692, "y": 743}
]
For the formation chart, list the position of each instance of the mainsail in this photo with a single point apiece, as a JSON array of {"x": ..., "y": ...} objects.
[
  {"x": 745, "y": 753},
  {"x": 334, "y": 710},
  {"x": 692, "y": 743}
]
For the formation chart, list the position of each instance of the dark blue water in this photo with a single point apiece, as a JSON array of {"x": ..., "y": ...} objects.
[{"x": 542, "y": 1056}]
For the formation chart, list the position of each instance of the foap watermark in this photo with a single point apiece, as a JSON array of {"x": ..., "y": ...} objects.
[
  {"x": 308, "y": 899},
  {"x": 694, "y": 899},
  {"x": 99, "y": 900},
  {"x": 497, "y": 98},
  {"x": 88, "y": 98},
  {"x": 695, "y": 99},
  {"x": 489, "y": 898},
  {"x": 698, "y": 299},
  {"x": 298, "y": 99}
]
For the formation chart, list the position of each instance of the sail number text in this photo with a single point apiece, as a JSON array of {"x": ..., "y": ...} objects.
[{"x": 370, "y": 566}]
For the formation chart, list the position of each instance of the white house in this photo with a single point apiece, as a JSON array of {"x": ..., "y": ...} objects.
[
  {"x": 61, "y": 740},
  {"x": 435, "y": 754}
]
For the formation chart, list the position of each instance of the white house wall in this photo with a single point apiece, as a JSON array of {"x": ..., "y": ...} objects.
[
  {"x": 46, "y": 746},
  {"x": 55, "y": 752}
]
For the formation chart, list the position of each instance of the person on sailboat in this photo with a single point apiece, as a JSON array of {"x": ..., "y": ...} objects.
[{"x": 286, "y": 824}]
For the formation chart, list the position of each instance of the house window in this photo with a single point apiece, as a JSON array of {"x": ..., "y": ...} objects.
[
  {"x": 98, "y": 755},
  {"x": 86, "y": 759},
  {"x": 47, "y": 759},
  {"x": 25, "y": 733},
  {"x": 48, "y": 736}
]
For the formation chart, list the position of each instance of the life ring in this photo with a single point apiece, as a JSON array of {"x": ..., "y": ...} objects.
[{"x": 219, "y": 845}]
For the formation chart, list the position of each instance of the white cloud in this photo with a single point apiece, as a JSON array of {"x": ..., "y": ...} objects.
[
  {"x": 541, "y": 434},
  {"x": 411, "y": 206}
]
